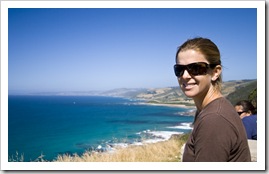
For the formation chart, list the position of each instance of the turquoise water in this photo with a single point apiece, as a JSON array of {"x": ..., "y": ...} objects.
[{"x": 52, "y": 125}]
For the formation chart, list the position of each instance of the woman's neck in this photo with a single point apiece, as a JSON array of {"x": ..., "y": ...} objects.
[{"x": 202, "y": 101}]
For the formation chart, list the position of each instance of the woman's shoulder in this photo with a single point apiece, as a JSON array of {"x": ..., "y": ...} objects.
[
  {"x": 220, "y": 107},
  {"x": 220, "y": 104}
]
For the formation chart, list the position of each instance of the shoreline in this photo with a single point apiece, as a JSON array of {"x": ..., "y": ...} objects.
[
  {"x": 191, "y": 110},
  {"x": 168, "y": 105}
]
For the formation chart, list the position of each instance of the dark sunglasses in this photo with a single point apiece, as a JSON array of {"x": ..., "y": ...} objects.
[
  {"x": 239, "y": 113},
  {"x": 197, "y": 68}
]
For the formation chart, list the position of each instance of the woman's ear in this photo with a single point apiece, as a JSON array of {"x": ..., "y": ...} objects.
[{"x": 216, "y": 72}]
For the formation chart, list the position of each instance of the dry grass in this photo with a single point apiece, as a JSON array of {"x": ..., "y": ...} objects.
[
  {"x": 17, "y": 158},
  {"x": 166, "y": 151}
]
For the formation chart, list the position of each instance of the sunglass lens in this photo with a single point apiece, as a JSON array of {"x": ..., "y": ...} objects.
[
  {"x": 197, "y": 69},
  {"x": 239, "y": 113},
  {"x": 179, "y": 69}
]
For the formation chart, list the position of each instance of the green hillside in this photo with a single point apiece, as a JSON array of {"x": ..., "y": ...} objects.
[
  {"x": 247, "y": 91},
  {"x": 233, "y": 90}
]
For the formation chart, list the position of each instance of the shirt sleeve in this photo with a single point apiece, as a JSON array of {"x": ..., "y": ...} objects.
[{"x": 214, "y": 137}]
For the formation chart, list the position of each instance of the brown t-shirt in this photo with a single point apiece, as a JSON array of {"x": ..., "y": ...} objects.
[{"x": 218, "y": 135}]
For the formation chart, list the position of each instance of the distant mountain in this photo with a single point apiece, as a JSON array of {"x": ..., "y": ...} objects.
[
  {"x": 124, "y": 92},
  {"x": 234, "y": 90}
]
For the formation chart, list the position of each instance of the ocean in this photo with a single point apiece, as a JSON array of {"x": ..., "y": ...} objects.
[{"x": 53, "y": 125}]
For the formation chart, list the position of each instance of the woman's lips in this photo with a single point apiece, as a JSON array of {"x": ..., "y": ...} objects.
[{"x": 188, "y": 85}]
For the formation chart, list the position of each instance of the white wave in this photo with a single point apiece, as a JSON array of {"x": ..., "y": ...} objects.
[
  {"x": 144, "y": 131},
  {"x": 182, "y": 126},
  {"x": 163, "y": 135},
  {"x": 121, "y": 145},
  {"x": 156, "y": 136}
]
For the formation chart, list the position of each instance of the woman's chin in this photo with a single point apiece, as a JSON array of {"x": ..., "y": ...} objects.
[{"x": 189, "y": 94}]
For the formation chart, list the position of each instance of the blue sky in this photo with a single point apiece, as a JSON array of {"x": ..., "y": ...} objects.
[{"x": 100, "y": 49}]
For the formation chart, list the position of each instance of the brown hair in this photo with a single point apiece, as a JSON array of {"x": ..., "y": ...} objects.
[
  {"x": 247, "y": 106},
  {"x": 208, "y": 49}
]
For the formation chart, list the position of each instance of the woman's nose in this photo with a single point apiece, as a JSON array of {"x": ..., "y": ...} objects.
[{"x": 186, "y": 74}]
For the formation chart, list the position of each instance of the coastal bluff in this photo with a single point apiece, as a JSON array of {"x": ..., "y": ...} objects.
[{"x": 234, "y": 91}]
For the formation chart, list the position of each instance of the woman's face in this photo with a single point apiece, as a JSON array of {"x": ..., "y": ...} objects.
[{"x": 195, "y": 87}]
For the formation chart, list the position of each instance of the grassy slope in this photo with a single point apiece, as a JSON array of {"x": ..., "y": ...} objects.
[{"x": 166, "y": 151}]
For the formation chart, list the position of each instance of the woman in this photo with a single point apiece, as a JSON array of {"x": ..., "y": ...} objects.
[
  {"x": 218, "y": 133},
  {"x": 247, "y": 112}
]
